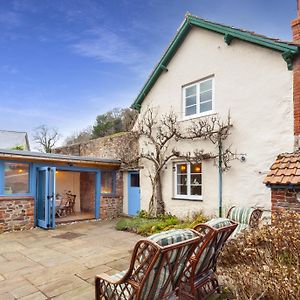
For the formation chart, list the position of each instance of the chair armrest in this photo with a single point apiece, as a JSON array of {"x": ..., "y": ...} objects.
[{"x": 107, "y": 278}]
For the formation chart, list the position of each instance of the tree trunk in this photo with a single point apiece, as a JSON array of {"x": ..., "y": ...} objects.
[{"x": 158, "y": 197}]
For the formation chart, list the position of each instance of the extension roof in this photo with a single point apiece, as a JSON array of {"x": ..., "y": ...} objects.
[
  {"x": 285, "y": 171},
  {"x": 288, "y": 49},
  {"x": 60, "y": 159}
]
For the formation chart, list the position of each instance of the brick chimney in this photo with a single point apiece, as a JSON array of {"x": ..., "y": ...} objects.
[{"x": 296, "y": 75}]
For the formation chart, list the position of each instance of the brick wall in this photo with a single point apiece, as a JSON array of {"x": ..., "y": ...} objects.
[
  {"x": 16, "y": 213},
  {"x": 112, "y": 206},
  {"x": 87, "y": 192},
  {"x": 285, "y": 199},
  {"x": 296, "y": 81}
]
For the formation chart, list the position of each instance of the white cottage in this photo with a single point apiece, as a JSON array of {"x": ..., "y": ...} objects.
[{"x": 210, "y": 69}]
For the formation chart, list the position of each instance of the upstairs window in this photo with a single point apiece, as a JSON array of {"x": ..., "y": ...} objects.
[{"x": 198, "y": 98}]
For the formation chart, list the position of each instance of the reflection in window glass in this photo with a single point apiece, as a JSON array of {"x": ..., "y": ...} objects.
[
  {"x": 16, "y": 178},
  {"x": 107, "y": 182},
  {"x": 198, "y": 98},
  {"x": 134, "y": 180},
  {"x": 189, "y": 180}
]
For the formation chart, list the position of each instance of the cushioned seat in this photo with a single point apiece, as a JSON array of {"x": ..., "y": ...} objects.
[
  {"x": 156, "y": 267},
  {"x": 199, "y": 280},
  {"x": 246, "y": 217}
]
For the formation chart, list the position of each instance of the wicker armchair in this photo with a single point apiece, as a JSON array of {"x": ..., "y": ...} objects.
[
  {"x": 156, "y": 267},
  {"x": 246, "y": 217},
  {"x": 199, "y": 280}
]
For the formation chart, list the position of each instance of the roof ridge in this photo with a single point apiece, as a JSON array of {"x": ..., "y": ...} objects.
[
  {"x": 288, "y": 49},
  {"x": 279, "y": 40}
]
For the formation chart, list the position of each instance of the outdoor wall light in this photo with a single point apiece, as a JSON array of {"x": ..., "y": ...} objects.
[{"x": 243, "y": 158}]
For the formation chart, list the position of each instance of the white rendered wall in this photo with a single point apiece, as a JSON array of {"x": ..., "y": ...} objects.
[
  {"x": 69, "y": 181},
  {"x": 254, "y": 84}
]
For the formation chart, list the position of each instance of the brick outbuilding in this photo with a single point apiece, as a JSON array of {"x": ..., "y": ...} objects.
[{"x": 284, "y": 181}]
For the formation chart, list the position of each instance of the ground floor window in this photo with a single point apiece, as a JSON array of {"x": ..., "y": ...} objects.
[
  {"x": 188, "y": 180},
  {"x": 16, "y": 178},
  {"x": 107, "y": 182}
]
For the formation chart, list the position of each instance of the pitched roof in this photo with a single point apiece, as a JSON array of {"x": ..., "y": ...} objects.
[
  {"x": 11, "y": 139},
  {"x": 288, "y": 49},
  {"x": 285, "y": 170}
]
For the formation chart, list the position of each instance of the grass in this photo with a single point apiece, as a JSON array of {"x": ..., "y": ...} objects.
[{"x": 144, "y": 225}]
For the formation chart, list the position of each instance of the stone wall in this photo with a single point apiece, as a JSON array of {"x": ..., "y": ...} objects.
[
  {"x": 16, "y": 213},
  {"x": 105, "y": 147},
  {"x": 285, "y": 199}
]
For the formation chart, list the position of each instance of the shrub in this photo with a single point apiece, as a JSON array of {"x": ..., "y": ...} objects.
[
  {"x": 265, "y": 263},
  {"x": 145, "y": 225}
]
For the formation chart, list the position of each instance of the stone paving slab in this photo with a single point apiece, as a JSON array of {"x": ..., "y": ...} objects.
[{"x": 35, "y": 265}]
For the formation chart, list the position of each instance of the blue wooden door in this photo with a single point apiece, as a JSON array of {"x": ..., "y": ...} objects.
[
  {"x": 46, "y": 197},
  {"x": 133, "y": 193}
]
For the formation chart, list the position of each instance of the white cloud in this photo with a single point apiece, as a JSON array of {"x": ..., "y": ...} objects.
[{"x": 107, "y": 46}]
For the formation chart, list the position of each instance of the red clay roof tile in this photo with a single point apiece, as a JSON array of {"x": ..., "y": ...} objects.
[{"x": 285, "y": 170}]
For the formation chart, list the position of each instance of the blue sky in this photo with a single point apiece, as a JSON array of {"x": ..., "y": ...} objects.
[{"x": 62, "y": 62}]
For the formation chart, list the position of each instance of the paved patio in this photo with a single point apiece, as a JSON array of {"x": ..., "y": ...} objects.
[{"x": 61, "y": 263}]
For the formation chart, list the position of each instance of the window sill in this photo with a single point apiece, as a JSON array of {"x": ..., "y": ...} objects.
[
  {"x": 15, "y": 197},
  {"x": 187, "y": 199},
  {"x": 108, "y": 195},
  {"x": 187, "y": 118}
]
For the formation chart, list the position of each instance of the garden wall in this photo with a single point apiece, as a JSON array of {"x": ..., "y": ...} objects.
[
  {"x": 285, "y": 199},
  {"x": 16, "y": 213}
]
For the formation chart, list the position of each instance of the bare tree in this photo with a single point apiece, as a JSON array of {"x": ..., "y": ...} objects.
[
  {"x": 82, "y": 136},
  {"x": 217, "y": 132},
  {"x": 156, "y": 135},
  {"x": 46, "y": 138}
]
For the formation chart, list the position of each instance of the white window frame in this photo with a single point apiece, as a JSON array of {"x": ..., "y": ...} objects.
[
  {"x": 188, "y": 196},
  {"x": 198, "y": 113}
]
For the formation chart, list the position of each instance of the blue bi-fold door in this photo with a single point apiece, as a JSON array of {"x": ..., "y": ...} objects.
[{"x": 46, "y": 197}]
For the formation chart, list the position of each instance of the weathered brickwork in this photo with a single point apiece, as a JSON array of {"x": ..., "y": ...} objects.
[
  {"x": 16, "y": 213},
  {"x": 285, "y": 200},
  {"x": 296, "y": 83},
  {"x": 87, "y": 192},
  {"x": 112, "y": 206}
]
